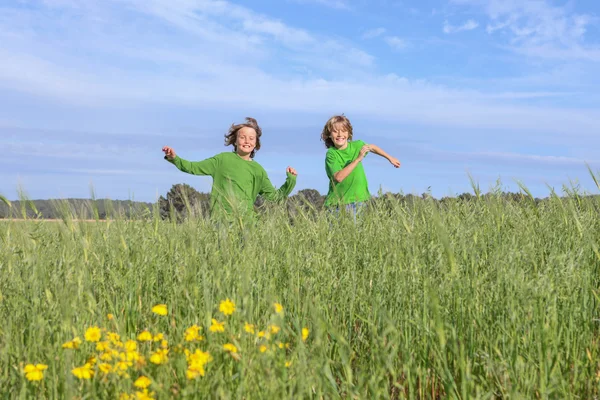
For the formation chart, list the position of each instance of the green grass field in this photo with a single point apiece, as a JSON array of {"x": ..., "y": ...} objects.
[{"x": 467, "y": 299}]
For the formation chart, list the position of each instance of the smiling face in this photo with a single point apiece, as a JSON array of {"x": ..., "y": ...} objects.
[
  {"x": 339, "y": 136},
  {"x": 245, "y": 142}
]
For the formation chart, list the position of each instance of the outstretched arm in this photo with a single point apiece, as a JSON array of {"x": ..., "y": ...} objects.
[
  {"x": 269, "y": 192},
  {"x": 380, "y": 152},
  {"x": 204, "y": 167}
]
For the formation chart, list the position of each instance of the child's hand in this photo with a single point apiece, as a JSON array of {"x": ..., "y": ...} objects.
[
  {"x": 363, "y": 151},
  {"x": 292, "y": 171},
  {"x": 169, "y": 152},
  {"x": 394, "y": 161}
]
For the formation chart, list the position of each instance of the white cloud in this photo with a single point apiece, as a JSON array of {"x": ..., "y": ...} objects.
[
  {"x": 539, "y": 28},
  {"x": 467, "y": 26},
  {"x": 396, "y": 43},
  {"x": 373, "y": 33}
]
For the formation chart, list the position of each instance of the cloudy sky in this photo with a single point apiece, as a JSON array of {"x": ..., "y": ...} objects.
[{"x": 502, "y": 89}]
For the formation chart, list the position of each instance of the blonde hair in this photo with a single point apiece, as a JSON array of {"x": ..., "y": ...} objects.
[
  {"x": 330, "y": 125},
  {"x": 231, "y": 136}
]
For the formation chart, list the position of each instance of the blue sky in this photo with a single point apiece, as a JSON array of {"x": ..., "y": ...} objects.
[{"x": 502, "y": 89}]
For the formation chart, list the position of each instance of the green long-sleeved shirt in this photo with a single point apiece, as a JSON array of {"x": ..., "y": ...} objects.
[{"x": 236, "y": 182}]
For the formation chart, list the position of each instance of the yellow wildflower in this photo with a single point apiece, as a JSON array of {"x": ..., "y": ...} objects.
[
  {"x": 144, "y": 395},
  {"x": 249, "y": 328},
  {"x": 145, "y": 336},
  {"x": 217, "y": 326},
  {"x": 159, "y": 357},
  {"x": 262, "y": 348},
  {"x": 274, "y": 329},
  {"x": 230, "y": 348},
  {"x": 125, "y": 396},
  {"x": 160, "y": 309},
  {"x": 92, "y": 361},
  {"x": 261, "y": 334},
  {"x": 142, "y": 382},
  {"x": 280, "y": 345},
  {"x": 193, "y": 333},
  {"x": 85, "y": 372},
  {"x": 110, "y": 317},
  {"x": 305, "y": 333},
  {"x": 278, "y": 308},
  {"x": 130, "y": 345},
  {"x": 194, "y": 373},
  {"x": 122, "y": 366},
  {"x": 105, "y": 368},
  {"x": 34, "y": 372},
  {"x": 164, "y": 344},
  {"x": 103, "y": 346},
  {"x": 72, "y": 344},
  {"x": 114, "y": 338},
  {"x": 288, "y": 364},
  {"x": 93, "y": 334},
  {"x": 158, "y": 337},
  {"x": 227, "y": 307}
]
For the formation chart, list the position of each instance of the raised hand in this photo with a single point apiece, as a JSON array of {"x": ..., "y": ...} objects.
[
  {"x": 394, "y": 161},
  {"x": 363, "y": 151},
  {"x": 169, "y": 152},
  {"x": 291, "y": 171}
]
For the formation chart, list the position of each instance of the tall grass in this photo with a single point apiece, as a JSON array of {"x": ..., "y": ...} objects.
[{"x": 485, "y": 298}]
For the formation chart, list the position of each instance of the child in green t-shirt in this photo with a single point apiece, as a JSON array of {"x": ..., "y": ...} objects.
[
  {"x": 348, "y": 185},
  {"x": 237, "y": 178}
]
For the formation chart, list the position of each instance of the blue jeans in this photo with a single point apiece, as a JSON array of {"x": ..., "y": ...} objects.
[{"x": 354, "y": 209}]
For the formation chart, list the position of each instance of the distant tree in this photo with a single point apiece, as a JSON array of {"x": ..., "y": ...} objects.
[{"x": 184, "y": 201}]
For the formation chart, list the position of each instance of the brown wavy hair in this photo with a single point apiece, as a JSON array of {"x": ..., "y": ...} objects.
[
  {"x": 333, "y": 121},
  {"x": 231, "y": 136}
]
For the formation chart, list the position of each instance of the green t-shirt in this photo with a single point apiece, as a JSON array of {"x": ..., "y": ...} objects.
[
  {"x": 355, "y": 187},
  {"x": 236, "y": 182}
]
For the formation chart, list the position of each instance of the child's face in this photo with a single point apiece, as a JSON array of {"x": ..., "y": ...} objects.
[
  {"x": 245, "y": 141},
  {"x": 339, "y": 136}
]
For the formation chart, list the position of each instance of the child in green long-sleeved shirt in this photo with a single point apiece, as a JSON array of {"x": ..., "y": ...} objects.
[{"x": 237, "y": 178}]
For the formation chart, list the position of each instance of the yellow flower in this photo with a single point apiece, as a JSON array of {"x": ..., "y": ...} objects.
[
  {"x": 288, "y": 364},
  {"x": 159, "y": 357},
  {"x": 142, "y": 382},
  {"x": 158, "y": 337},
  {"x": 93, "y": 334},
  {"x": 130, "y": 345},
  {"x": 227, "y": 307},
  {"x": 228, "y": 347},
  {"x": 249, "y": 328},
  {"x": 144, "y": 395},
  {"x": 194, "y": 373},
  {"x": 110, "y": 317},
  {"x": 114, "y": 338},
  {"x": 92, "y": 360},
  {"x": 193, "y": 333},
  {"x": 122, "y": 366},
  {"x": 305, "y": 333},
  {"x": 34, "y": 372},
  {"x": 145, "y": 336},
  {"x": 262, "y": 348},
  {"x": 85, "y": 372},
  {"x": 280, "y": 345},
  {"x": 125, "y": 396},
  {"x": 164, "y": 344},
  {"x": 103, "y": 346},
  {"x": 196, "y": 363},
  {"x": 274, "y": 329},
  {"x": 72, "y": 344},
  {"x": 160, "y": 309},
  {"x": 105, "y": 368},
  {"x": 278, "y": 308},
  {"x": 217, "y": 326},
  {"x": 261, "y": 334}
]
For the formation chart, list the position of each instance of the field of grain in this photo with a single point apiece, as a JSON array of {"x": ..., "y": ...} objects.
[{"x": 486, "y": 298}]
